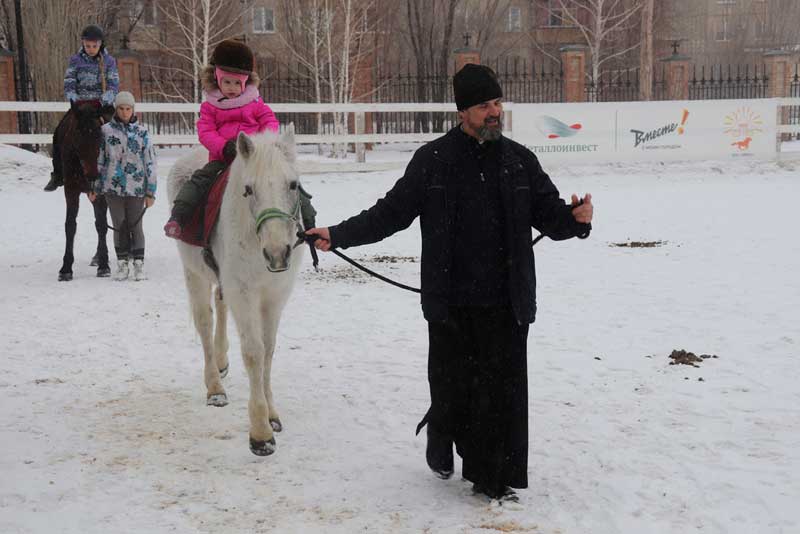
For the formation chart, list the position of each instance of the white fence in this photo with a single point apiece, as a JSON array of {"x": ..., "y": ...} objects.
[
  {"x": 578, "y": 132},
  {"x": 357, "y": 109}
]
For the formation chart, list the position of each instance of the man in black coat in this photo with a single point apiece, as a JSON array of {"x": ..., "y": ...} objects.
[{"x": 478, "y": 194}]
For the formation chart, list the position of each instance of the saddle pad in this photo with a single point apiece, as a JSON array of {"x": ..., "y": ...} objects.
[{"x": 198, "y": 230}]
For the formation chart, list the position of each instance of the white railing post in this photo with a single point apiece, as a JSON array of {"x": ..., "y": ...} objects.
[{"x": 360, "y": 123}]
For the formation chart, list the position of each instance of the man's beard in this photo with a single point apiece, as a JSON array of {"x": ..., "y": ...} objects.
[{"x": 488, "y": 133}]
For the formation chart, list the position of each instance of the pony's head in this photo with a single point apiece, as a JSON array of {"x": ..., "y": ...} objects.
[
  {"x": 269, "y": 181},
  {"x": 85, "y": 138}
]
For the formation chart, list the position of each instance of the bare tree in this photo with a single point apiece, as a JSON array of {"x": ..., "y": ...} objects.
[
  {"x": 604, "y": 25},
  {"x": 195, "y": 27},
  {"x": 7, "y": 21},
  {"x": 483, "y": 20},
  {"x": 328, "y": 42},
  {"x": 779, "y": 26},
  {"x": 52, "y": 31},
  {"x": 429, "y": 32},
  {"x": 119, "y": 18},
  {"x": 646, "y": 52}
]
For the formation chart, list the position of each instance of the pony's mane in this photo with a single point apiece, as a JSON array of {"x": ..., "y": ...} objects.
[{"x": 272, "y": 155}]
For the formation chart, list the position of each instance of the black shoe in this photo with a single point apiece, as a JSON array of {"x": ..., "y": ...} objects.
[
  {"x": 503, "y": 494},
  {"x": 439, "y": 453},
  {"x": 55, "y": 182}
]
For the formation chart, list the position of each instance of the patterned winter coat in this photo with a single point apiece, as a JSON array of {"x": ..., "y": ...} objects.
[
  {"x": 127, "y": 163},
  {"x": 221, "y": 119},
  {"x": 82, "y": 80}
]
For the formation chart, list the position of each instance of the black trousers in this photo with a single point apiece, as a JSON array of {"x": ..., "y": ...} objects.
[
  {"x": 477, "y": 371},
  {"x": 194, "y": 191},
  {"x": 56, "y": 150}
]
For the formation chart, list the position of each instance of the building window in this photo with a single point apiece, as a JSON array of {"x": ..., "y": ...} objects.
[
  {"x": 723, "y": 29},
  {"x": 514, "y": 22},
  {"x": 146, "y": 11},
  {"x": 726, "y": 2},
  {"x": 555, "y": 15},
  {"x": 762, "y": 29},
  {"x": 263, "y": 20}
]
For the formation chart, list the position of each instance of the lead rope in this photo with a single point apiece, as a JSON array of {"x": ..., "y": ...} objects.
[{"x": 311, "y": 239}]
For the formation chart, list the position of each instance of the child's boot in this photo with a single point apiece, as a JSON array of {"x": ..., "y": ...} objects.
[
  {"x": 138, "y": 270},
  {"x": 123, "y": 269}
]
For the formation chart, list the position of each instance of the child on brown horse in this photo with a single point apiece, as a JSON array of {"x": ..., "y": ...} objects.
[
  {"x": 232, "y": 105},
  {"x": 90, "y": 77}
]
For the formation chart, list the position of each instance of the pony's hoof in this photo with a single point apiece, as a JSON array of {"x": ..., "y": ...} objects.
[
  {"x": 64, "y": 277},
  {"x": 262, "y": 448},
  {"x": 219, "y": 400},
  {"x": 224, "y": 372},
  {"x": 276, "y": 425},
  {"x": 103, "y": 272}
]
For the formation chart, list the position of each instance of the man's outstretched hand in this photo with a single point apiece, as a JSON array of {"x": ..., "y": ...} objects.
[
  {"x": 324, "y": 241},
  {"x": 582, "y": 209}
]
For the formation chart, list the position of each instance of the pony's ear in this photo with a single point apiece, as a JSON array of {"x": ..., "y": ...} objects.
[
  {"x": 287, "y": 143},
  {"x": 72, "y": 105},
  {"x": 244, "y": 145}
]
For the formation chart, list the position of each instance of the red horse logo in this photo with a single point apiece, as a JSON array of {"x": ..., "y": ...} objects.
[{"x": 744, "y": 144}]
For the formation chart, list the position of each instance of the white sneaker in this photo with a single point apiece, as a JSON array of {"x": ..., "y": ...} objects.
[
  {"x": 123, "y": 269},
  {"x": 138, "y": 270}
]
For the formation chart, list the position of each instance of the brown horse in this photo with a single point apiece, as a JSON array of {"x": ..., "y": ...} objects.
[{"x": 79, "y": 137}]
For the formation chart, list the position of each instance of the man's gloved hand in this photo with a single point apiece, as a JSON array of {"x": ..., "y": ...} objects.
[{"x": 229, "y": 151}]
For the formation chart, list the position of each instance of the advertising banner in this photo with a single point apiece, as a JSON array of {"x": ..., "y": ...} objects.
[{"x": 646, "y": 131}]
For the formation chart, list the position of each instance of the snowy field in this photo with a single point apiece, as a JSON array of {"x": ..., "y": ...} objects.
[{"x": 104, "y": 427}]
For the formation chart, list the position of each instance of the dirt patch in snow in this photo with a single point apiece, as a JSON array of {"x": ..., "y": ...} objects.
[
  {"x": 682, "y": 357},
  {"x": 639, "y": 244}
]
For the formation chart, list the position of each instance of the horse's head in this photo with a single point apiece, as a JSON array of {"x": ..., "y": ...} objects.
[
  {"x": 269, "y": 181},
  {"x": 86, "y": 136}
]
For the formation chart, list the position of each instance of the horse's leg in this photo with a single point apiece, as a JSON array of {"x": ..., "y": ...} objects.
[
  {"x": 101, "y": 225},
  {"x": 199, "y": 291},
  {"x": 246, "y": 314},
  {"x": 100, "y": 258},
  {"x": 221, "y": 334},
  {"x": 270, "y": 319},
  {"x": 70, "y": 224}
]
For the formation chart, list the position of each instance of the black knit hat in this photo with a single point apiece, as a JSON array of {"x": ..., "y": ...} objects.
[
  {"x": 233, "y": 56},
  {"x": 92, "y": 33},
  {"x": 474, "y": 84}
]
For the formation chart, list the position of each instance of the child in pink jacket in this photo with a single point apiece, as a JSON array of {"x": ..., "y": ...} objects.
[{"x": 232, "y": 105}]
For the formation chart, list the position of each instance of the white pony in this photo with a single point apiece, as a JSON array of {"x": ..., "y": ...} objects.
[{"x": 254, "y": 245}]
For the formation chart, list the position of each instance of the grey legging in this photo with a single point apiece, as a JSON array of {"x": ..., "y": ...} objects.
[{"x": 128, "y": 240}]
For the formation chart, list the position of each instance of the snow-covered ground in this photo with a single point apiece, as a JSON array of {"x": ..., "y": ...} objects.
[{"x": 104, "y": 427}]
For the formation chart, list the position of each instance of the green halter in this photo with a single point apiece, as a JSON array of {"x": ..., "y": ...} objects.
[{"x": 275, "y": 213}]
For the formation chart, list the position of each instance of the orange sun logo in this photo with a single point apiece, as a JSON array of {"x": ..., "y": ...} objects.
[{"x": 743, "y": 123}]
